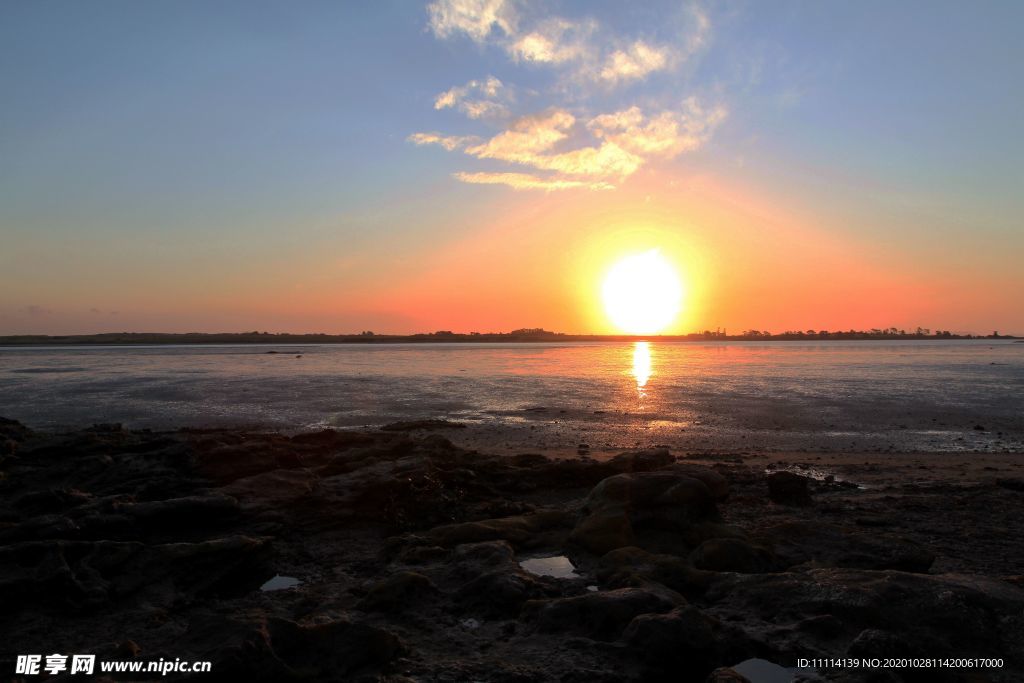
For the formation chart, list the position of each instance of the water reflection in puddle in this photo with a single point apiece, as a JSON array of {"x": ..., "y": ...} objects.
[
  {"x": 280, "y": 583},
  {"x": 557, "y": 566},
  {"x": 763, "y": 671}
]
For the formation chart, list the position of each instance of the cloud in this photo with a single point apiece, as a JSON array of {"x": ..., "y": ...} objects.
[
  {"x": 449, "y": 142},
  {"x": 625, "y": 140},
  {"x": 475, "y": 18},
  {"x": 635, "y": 62},
  {"x": 456, "y": 97},
  {"x": 578, "y": 148},
  {"x": 527, "y": 138},
  {"x": 35, "y": 310},
  {"x": 554, "y": 41},
  {"x": 667, "y": 134},
  {"x": 525, "y": 181}
]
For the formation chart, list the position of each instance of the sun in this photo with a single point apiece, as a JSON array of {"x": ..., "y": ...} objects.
[{"x": 642, "y": 293}]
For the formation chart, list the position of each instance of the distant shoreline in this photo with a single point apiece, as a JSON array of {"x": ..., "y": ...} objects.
[{"x": 519, "y": 336}]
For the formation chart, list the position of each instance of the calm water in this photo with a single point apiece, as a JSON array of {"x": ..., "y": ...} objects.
[{"x": 744, "y": 395}]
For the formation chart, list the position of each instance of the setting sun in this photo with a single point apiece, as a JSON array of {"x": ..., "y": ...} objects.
[{"x": 642, "y": 293}]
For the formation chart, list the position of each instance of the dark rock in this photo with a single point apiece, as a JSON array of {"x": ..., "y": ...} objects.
[
  {"x": 871, "y": 643},
  {"x": 1011, "y": 484},
  {"x": 826, "y": 545},
  {"x": 965, "y": 615},
  {"x": 731, "y": 555},
  {"x": 413, "y": 425},
  {"x": 207, "y": 508},
  {"x": 278, "y": 649},
  {"x": 602, "y": 615},
  {"x": 641, "y": 461},
  {"x": 679, "y": 640},
  {"x": 787, "y": 488},
  {"x": 519, "y": 530},
  {"x": 499, "y": 594},
  {"x": 726, "y": 675},
  {"x": 398, "y": 591},
  {"x": 620, "y": 508},
  {"x": 633, "y": 566}
]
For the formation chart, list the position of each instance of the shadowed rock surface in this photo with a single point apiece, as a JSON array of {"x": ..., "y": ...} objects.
[{"x": 140, "y": 544}]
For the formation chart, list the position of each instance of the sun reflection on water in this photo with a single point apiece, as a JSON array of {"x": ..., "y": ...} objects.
[{"x": 642, "y": 366}]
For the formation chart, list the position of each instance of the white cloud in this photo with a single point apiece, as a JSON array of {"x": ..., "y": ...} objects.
[
  {"x": 449, "y": 142},
  {"x": 526, "y": 181},
  {"x": 527, "y": 138},
  {"x": 475, "y": 18},
  {"x": 667, "y": 134},
  {"x": 635, "y": 62},
  {"x": 554, "y": 41},
  {"x": 457, "y": 97},
  {"x": 558, "y": 149}
]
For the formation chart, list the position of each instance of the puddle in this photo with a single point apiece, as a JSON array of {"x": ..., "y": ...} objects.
[
  {"x": 557, "y": 566},
  {"x": 280, "y": 583},
  {"x": 763, "y": 671}
]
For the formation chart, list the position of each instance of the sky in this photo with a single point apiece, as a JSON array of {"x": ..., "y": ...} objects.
[{"x": 480, "y": 165}]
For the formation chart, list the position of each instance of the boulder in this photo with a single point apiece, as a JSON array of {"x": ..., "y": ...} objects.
[
  {"x": 397, "y": 592},
  {"x": 731, "y": 555},
  {"x": 631, "y": 566},
  {"x": 620, "y": 509},
  {"x": 498, "y": 594},
  {"x": 273, "y": 649},
  {"x": 602, "y": 615},
  {"x": 787, "y": 488},
  {"x": 825, "y": 545},
  {"x": 668, "y": 643}
]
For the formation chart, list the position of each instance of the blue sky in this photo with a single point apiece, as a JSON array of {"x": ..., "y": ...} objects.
[{"x": 174, "y": 161}]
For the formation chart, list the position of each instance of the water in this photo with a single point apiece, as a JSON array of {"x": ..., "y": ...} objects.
[
  {"x": 280, "y": 583},
  {"x": 910, "y": 395},
  {"x": 556, "y": 566}
]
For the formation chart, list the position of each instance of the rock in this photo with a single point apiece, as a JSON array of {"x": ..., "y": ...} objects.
[
  {"x": 82, "y": 575},
  {"x": 871, "y": 643},
  {"x": 726, "y": 675},
  {"x": 519, "y": 530},
  {"x": 498, "y": 594},
  {"x": 641, "y": 461},
  {"x": 674, "y": 641},
  {"x": 620, "y": 509},
  {"x": 271, "y": 490},
  {"x": 787, "y": 488},
  {"x": 1011, "y": 484},
  {"x": 633, "y": 566},
  {"x": 967, "y": 616},
  {"x": 413, "y": 425},
  {"x": 731, "y": 555},
  {"x": 717, "y": 484},
  {"x": 826, "y": 545},
  {"x": 274, "y": 649},
  {"x": 188, "y": 510},
  {"x": 398, "y": 591},
  {"x": 602, "y": 615}
]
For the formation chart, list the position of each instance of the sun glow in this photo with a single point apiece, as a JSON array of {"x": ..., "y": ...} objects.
[{"x": 642, "y": 293}]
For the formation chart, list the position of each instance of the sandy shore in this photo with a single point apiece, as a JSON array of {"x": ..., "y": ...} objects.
[{"x": 409, "y": 548}]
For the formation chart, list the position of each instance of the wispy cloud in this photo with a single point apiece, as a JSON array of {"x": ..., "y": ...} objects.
[
  {"x": 525, "y": 181},
  {"x": 635, "y": 62},
  {"x": 475, "y": 18},
  {"x": 570, "y": 146},
  {"x": 483, "y": 103},
  {"x": 449, "y": 142}
]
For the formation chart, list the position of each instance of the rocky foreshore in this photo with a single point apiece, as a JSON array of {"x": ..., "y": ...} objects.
[{"x": 398, "y": 556}]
